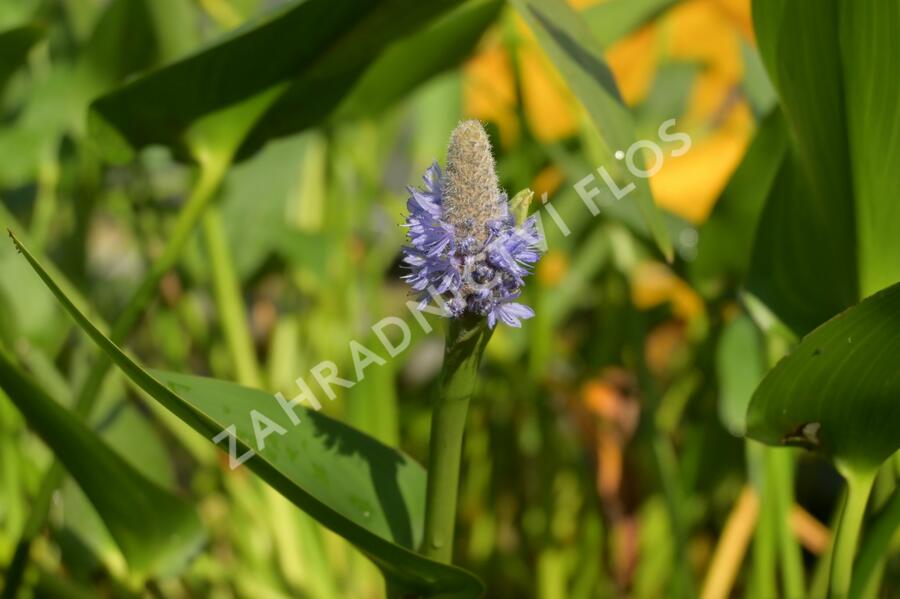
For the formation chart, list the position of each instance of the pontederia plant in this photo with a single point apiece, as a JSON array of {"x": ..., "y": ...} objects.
[{"x": 468, "y": 251}]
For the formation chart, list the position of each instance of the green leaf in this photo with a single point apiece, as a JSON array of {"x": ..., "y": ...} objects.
[
  {"x": 832, "y": 65},
  {"x": 15, "y": 44},
  {"x": 804, "y": 264},
  {"x": 837, "y": 392},
  {"x": 368, "y": 493},
  {"x": 304, "y": 56},
  {"x": 568, "y": 42},
  {"x": 156, "y": 530},
  {"x": 799, "y": 46},
  {"x": 740, "y": 365},
  {"x": 870, "y": 52}
]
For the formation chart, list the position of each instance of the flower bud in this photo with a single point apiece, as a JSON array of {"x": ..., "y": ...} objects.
[{"x": 471, "y": 193}]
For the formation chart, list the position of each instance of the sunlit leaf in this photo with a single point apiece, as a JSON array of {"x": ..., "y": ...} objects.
[{"x": 369, "y": 493}]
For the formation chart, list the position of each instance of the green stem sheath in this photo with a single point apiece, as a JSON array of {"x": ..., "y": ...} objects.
[
  {"x": 859, "y": 485},
  {"x": 466, "y": 340}
]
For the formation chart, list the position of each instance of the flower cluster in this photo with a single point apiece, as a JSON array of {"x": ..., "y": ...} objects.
[{"x": 463, "y": 242}]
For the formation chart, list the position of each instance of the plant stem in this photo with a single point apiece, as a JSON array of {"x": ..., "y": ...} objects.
[
  {"x": 232, "y": 312},
  {"x": 762, "y": 580},
  {"x": 466, "y": 340},
  {"x": 859, "y": 484},
  {"x": 780, "y": 487}
]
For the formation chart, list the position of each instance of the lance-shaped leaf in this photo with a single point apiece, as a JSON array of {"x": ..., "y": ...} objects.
[
  {"x": 156, "y": 530},
  {"x": 304, "y": 57},
  {"x": 367, "y": 492},
  {"x": 577, "y": 55},
  {"x": 839, "y": 391}
]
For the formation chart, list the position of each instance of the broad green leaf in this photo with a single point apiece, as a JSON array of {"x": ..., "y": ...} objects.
[
  {"x": 156, "y": 530},
  {"x": 870, "y": 52},
  {"x": 725, "y": 240},
  {"x": 369, "y": 493},
  {"x": 740, "y": 365},
  {"x": 305, "y": 56},
  {"x": 568, "y": 42},
  {"x": 837, "y": 391},
  {"x": 15, "y": 44}
]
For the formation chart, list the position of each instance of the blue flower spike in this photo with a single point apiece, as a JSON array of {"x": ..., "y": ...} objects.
[{"x": 464, "y": 241}]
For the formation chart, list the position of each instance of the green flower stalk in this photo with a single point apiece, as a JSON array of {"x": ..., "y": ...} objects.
[
  {"x": 466, "y": 340},
  {"x": 468, "y": 247}
]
